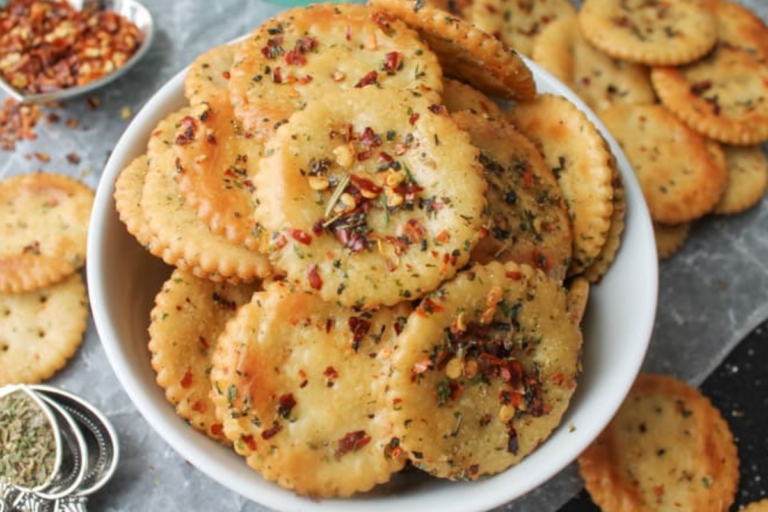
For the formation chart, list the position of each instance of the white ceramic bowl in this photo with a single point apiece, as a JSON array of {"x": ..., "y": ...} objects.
[{"x": 123, "y": 280}]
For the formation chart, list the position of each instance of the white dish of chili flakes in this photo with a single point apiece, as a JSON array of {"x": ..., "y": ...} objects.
[{"x": 123, "y": 279}]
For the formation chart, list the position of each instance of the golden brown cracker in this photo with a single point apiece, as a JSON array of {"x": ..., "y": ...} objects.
[
  {"x": 578, "y": 298},
  {"x": 458, "y": 96},
  {"x": 656, "y": 33},
  {"x": 529, "y": 220},
  {"x": 284, "y": 354},
  {"x": 128, "y": 187},
  {"x": 306, "y": 53},
  {"x": 678, "y": 177},
  {"x": 576, "y": 152},
  {"x": 599, "y": 267},
  {"x": 598, "y": 79},
  {"x": 666, "y": 449},
  {"x": 188, "y": 316},
  {"x": 381, "y": 200},
  {"x": 739, "y": 27},
  {"x": 471, "y": 392},
  {"x": 517, "y": 23},
  {"x": 747, "y": 179},
  {"x": 465, "y": 52},
  {"x": 43, "y": 230},
  {"x": 670, "y": 238},
  {"x": 40, "y": 330}
]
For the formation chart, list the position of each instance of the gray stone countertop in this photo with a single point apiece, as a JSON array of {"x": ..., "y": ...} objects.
[{"x": 711, "y": 294}]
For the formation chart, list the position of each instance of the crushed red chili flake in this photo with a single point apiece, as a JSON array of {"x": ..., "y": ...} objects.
[
  {"x": 186, "y": 381},
  {"x": 352, "y": 442},
  {"x": 315, "y": 281},
  {"x": 414, "y": 117},
  {"x": 188, "y": 134},
  {"x": 393, "y": 62},
  {"x": 73, "y": 158},
  {"x": 699, "y": 87},
  {"x": 17, "y": 122},
  {"x": 285, "y": 405},
  {"x": 42, "y": 157},
  {"x": 217, "y": 429},
  {"x": 359, "y": 327},
  {"x": 301, "y": 236},
  {"x": 272, "y": 431},
  {"x": 199, "y": 406},
  {"x": 249, "y": 441},
  {"x": 48, "y": 45},
  {"x": 371, "y": 78}
]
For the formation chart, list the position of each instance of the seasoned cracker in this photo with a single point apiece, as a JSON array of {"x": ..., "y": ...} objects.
[
  {"x": 465, "y": 52},
  {"x": 680, "y": 180},
  {"x": 576, "y": 152},
  {"x": 306, "y": 53},
  {"x": 655, "y": 33},
  {"x": 739, "y": 27},
  {"x": 40, "y": 330},
  {"x": 299, "y": 384},
  {"x": 207, "y": 79},
  {"x": 188, "y": 316},
  {"x": 128, "y": 187},
  {"x": 670, "y": 238},
  {"x": 458, "y": 96},
  {"x": 216, "y": 162},
  {"x": 182, "y": 238},
  {"x": 519, "y": 24},
  {"x": 381, "y": 199},
  {"x": 594, "y": 272},
  {"x": 578, "y": 297},
  {"x": 598, "y": 79},
  {"x": 43, "y": 229},
  {"x": 666, "y": 449},
  {"x": 724, "y": 96},
  {"x": 471, "y": 392},
  {"x": 747, "y": 179},
  {"x": 528, "y": 217}
]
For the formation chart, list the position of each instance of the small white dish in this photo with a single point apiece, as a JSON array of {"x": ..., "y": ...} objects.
[{"x": 123, "y": 280}]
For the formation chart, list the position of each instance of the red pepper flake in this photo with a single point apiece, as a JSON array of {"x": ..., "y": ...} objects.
[
  {"x": 17, "y": 122},
  {"x": 542, "y": 261},
  {"x": 186, "y": 381},
  {"x": 273, "y": 48},
  {"x": 351, "y": 442},
  {"x": 187, "y": 135},
  {"x": 295, "y": 58},
  {"x": 369, "y": 138},
  {"x": 217, "y": 429},
  {"x": 700, "y": 87},
  {"x": 413, "y": 231},
  {"x": 515, "y": 275},
  {"x": 371, "y": 78},
  {"x": 443, "y": 237},
  {"x": 658, "y": 491},
  {"x": 42, "y": 157},
  {"x": 199, "y": 406},
  {"x": 437, "y": 109},
  {"x": 285, "y": 405},
  {"x": 359, "y": 327},
  {"x": 277, "y": 76},
  {"x": 280, "y": 242},
  {"x": 414, "y": 117},
  {"x": 365, "y": 185},
  {"x": 331, "y": 374},
  {"x": 249, "y": 441},
  {"x": 393, "y": 62},
  {"x": 428, "y": 307},
  {"x": 315, "y": 281},
  {"x": 272, "y": 431},
  {"x": 383, "y": 20},
  {"x": 300, "y": 236},
  {"x": 317, "y": 227},
  {"x": 226, "y": 75},
  {"x": 73, "y": 158}
]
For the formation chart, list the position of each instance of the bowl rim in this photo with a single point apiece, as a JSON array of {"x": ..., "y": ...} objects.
[{"x": 486, "y": 493}]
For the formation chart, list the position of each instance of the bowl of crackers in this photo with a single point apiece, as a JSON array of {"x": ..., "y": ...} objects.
[{"x": 368, "y": 257}]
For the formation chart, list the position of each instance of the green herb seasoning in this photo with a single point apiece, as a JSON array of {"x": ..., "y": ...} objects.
[{"x": 27, "y": 442}]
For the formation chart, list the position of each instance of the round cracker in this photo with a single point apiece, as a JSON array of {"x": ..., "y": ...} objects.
[
  {"x": 216, "y": 162},
  {"x": 679, "y": 178},
  {"x": 598, "y": 79},
  {"x": 43, "y": 231},
  {"x": 415, "y": 181},
  {"x": 737, "y": 26},
  {"x": 128, "y": 187},
  {"x": 306, "y": 53},
  {"x": 182, "y": 238},
  {"x": 656, "y": 33},
  {"x": 670, "y": 238},
  {"x": 207, "y": 79},
  {"x": 465, "y": 52},
  {"x": 747, "y": 179},
  {"x": 528, "y": 217},
  {"x": 483, "y": 371},
  {"x": 285, "y": 353},
  {"x": 610, "y": 249},
  {"x": 722, "y": 96},
  {"x": 519, "y": 24},
  {"x": 576, "y": 152},
  {"x": 40, "y": 330},
  {"x": 667, "y": 448},
  {"x": 188, "y": 316},
  {"x": 458, "y": 96}
]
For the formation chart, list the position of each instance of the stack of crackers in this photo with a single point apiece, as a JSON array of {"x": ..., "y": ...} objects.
[
  {"x": 375, "y": 264},
  {"x": 43, "y": 302}
]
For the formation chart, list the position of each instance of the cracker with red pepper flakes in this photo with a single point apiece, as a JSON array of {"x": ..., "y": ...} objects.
[
  {"x": 598, "y": 79},
  {"x": 484, "y": 371},
  {"x": 43, "y": 229},
  {"x": 656, "y": 32},
  {"x": 370, "y": 197},
  {"x": 182, "y": 238},
  {"x": 299, "y": 385},
  {"x": 670, "y": 238},
  {"x": 666, "y": 449},
  {"x": 465, "y": 52},
  {"x": 207, "y": 80},
  {"x": 458, "y": 96},
  {"x": 308, "y": 52},
  {"x": 529, "y": 220},
  {"x": 519, "y": 23},
  {"x": 188, "y": 316},
  {"x": 679, "y": 178},
  {"x": 747, "y": 179},
  {"x": 41, "y": 329},
  {"x": 583, "y": 165},
  {"x": 216, "y": 163}
]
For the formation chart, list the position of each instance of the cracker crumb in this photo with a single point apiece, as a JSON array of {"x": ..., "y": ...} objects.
[{"x": 126, "y": 113}]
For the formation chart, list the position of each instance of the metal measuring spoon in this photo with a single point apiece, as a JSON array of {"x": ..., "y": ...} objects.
[
  {"x": 133, "y": 11},
  {"x": 102, "y": 440}
]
